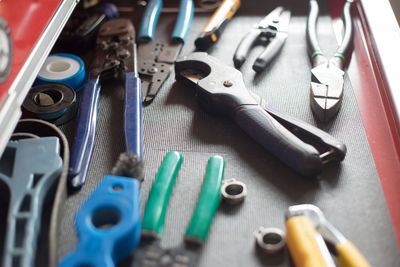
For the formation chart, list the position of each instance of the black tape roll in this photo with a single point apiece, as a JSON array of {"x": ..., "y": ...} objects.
[{"x": 54, "y": 102}]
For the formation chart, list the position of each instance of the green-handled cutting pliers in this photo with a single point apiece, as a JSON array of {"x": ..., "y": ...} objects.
[
  {"x": 150, "y": 252},
  {"x": 326, "y": 90}
]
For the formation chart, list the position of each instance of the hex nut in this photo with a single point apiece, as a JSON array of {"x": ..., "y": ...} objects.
[
  {"x": 270, "y": 240},
  {"x": 233, "y": 191}
]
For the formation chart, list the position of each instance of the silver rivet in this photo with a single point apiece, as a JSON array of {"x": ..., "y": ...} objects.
[
  {"x": 228, "y": 83},
  {"x": 123, "y": 53},
  {"x": 153, "y": 70}
]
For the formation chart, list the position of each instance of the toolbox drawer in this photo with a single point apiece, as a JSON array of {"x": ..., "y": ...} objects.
[{"x": 358, "y": 195}]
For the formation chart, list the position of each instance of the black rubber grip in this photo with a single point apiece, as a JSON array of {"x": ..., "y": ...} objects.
[
  {"x": 348, "y": 29},
  {"x": 312, "y": 18},
  {"x": 269, "y": 53},
  {"x": 207, "y": 39},
  {"x": 244, "y": 47},
  {"x": 257, "y": 123}
]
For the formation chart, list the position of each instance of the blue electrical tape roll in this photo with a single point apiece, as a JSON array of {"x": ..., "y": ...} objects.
[{"x": 63, "y": 68}]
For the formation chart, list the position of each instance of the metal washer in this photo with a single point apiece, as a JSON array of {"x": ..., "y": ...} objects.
[
  {"x": 233, "y": 191},
  {"x": 271, "y": 240}
]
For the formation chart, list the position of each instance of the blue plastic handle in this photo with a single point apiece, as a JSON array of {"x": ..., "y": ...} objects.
[
  {"x": 184, "y": 21},
  {"x": 149, "y": 20},
  {"x": 85, "y": 134},
  {"x": 108, "y": 224},
  {"x": 133, "y": 114}
]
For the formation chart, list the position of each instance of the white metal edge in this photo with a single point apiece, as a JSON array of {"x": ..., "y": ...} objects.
[
  {"x": 10, "y": 109},
  {"x": 385, "y": 32}
]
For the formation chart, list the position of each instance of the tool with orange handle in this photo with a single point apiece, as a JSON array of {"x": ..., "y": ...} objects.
[
  {"x": 213, "y": 30},
  {"x": 307, "y": 230}
]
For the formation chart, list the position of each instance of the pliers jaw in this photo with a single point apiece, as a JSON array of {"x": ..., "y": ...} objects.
[
  {"x": 115, "y": 49},
  {"x": 326, "y": 90}
]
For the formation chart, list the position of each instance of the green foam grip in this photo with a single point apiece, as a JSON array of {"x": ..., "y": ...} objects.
[
  {"x": 208, "y": 201},
  {"x": 157, "y": 204}
]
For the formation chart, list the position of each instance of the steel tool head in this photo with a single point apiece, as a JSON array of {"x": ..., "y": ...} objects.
[
  {"x": 277, "y": 19},
  {"x": 115, "y": 48},
  {"x": 326, "y": 90},
  {"x": 321, "y": 224},
  {"x": 311, "y": 211}
]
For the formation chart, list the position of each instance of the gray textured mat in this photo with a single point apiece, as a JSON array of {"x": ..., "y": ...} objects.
[{"x": 349, "y": 194}]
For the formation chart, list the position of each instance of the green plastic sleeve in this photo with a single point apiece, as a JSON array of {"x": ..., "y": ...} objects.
[
  {"x": 157, "y": 204},
  {"x": 208, "y": 201}
]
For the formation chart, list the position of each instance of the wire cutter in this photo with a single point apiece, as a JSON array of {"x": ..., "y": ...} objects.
[
  {"x": 156, "y": 59},
  {"x": 307, "y": 230},
  {"x": 220, "y": 90},
  {"x": 271, "y": 31},
  {"x": 149, "y": 252},
  {"x": 115, "y": 57},
  {"x": 326, "y": 91}
]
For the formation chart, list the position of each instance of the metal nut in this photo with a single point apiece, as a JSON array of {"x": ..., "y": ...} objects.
[
  {"x": 233, "y": 192},
  {"x": 271, "y": 240}
]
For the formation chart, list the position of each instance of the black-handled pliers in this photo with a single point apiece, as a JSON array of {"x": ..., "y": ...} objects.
[
  {"x": 271, "y": 31},
  {"x": 220, "y": 90},
  {"x": 326, "y": 91}
]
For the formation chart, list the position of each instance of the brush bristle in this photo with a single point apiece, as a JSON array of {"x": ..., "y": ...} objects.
[{"x": 128, "y": 165}]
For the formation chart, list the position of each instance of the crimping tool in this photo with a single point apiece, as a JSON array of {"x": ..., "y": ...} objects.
[{"x": 115, "y": 57}]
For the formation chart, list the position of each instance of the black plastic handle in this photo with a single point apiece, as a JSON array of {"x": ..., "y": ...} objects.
[
  {"x": 257, "y": 123},
  {"x": 348, "y": 29},
  {"x": 270, "y": 52},
  {"x": 312, "y": 18},
  {"x": 244, "y": 47}
]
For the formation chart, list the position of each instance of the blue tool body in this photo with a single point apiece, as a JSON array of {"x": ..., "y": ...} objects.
[
  {"x": 85, "y": 133},
  {"x": 107, "y": 63},
  {"x": 152, "y": 13},
  {"x": 133, "y": 124},
  {"x": 184, "y": 20},
  {"x": 108, "y": 224},
  {"x": 29, "y": 168},
  {"x": 149, "y": 20}
]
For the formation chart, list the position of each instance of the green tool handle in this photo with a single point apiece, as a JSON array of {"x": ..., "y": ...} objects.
[
  {"x": 208, "y": 201},
  {"x": 157, "y": 204}
]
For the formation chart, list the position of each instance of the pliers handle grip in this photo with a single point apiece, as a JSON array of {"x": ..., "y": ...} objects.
[
  {"x": 152, "y": 13},
  {"x": 316, "y": 53},
  {"x": 265, "y": 57}
]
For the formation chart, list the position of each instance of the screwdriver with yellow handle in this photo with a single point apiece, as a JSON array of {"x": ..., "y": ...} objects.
[
  {"x": 307, "y": 230},
  {"x": 215, "y": 26}
]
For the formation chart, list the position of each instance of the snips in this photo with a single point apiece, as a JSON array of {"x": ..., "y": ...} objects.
[
  {"x": 115, "y": 57},
  {"x": 156, "y": 59},
  {"x": 326, "y": 90},
  {"x": 271, "y": 32},
  {"x": 150, "y": 252},
  {"x": 308, "y": 231},
  {"x": 220, "y": 90}
]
